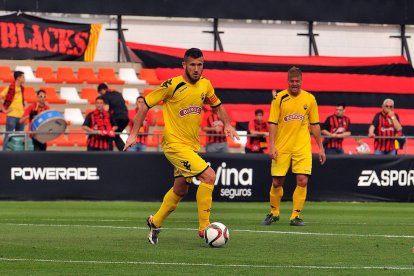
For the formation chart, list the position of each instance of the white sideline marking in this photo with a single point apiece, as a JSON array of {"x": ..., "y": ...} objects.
[
  {"x": 233, "y": 230},
  {"x": 205, "y": 264}
]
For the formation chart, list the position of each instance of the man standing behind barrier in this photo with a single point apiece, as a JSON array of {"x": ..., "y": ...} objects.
[
  {"x": 12, "y": 103},
  {"x": 101, "y": 128},
  {"x": 115, "y": 104},
  {"x": 291, "y": 113},
  {"x": 32, "y": 111},
  {"x": 336, "y": 127},
  {"x": 385, "y": 123},
  {"x": 183, "y": 98}
]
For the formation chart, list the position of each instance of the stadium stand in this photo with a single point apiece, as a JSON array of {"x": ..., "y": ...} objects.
[
  {"x": 129, "y": 76},
  {"x": 28, "y": 74},
  {"x": 70, "y": 94},
  {"x": 130, "y": 94},
  {"x": 87, "y": 75},
  {"x": 67, "y": 75},
  {"x": 108, "y": 75},
  {"x": 89, "y": 94},
  {"x": 6, "y": 74},
  {"x": 73, "y": 116},
  {"x": 150, "y": 76},
  {"x": 52, "y": 96},
  {"x": 46, "y": 73}
]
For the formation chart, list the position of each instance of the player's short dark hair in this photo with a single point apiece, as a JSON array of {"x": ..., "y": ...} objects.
[
  {"x": 341, "y": 104},
  {"x": 193, "y": 52},
  {"x": 258, "y": 111},
  {"x": 102, "y": 86},
  {"x": 17, "y": 74},
  {"x": 294, "y": 72}
]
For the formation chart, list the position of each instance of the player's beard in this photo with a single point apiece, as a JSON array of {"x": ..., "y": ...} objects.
[{"x": 191, "y": 78}]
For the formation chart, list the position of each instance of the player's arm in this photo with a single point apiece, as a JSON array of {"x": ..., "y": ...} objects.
[
  {"x": 273, "y": 128},
  {"x": 225, "y": 118},
  {"x": 136, "y": 124},
  {"x": 316, "y": 132}
]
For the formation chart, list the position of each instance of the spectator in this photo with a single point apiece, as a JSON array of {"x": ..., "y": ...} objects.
[
  {"x": 335, "y": 128},
  {"x": 101, "y": 127},
  {"x": 141, "y": 144},
  {"x": 362, "y": 147},
  {"x": 258, "y": 130},
  {"x": 385, "y": 123},
  {"x": 115, "y": 104},
  {"x": 32, "y": 111},
  {"x": 12, "y": 103},
  {"x": 214, "y": 127}
]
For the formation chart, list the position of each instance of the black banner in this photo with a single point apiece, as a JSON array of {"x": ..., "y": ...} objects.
[
  {"x": 29, "y": 37},
  {"x": 240, "y": 177}
]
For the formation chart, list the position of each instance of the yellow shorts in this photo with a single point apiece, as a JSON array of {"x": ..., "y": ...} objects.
[
  {"x": 301, "y": 163},
  {"x": 186, "y": 161}
]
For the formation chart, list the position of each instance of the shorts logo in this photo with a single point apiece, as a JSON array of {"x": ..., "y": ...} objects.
[
  {"x": 190, "y": 110},
  {"x": 293, "y": 117},
  {"x": 186, "y": 165}
]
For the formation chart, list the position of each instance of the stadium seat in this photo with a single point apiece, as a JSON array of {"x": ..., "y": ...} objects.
[
  {"x": 88, "y": 110},
  {"x": 66, "y": 75},
  {"x": 88, "y": 75},
  {"x": 155, "y": 138},
  {"x": 30, "y": 94},
  {"x": 147, "y": 91},
  {"x": 28, "y": 74},
  {"x": 203, "y": 138},
  {"x": 73, "y": 116},
  {"x": 52, "y": 96},
  {"x": 6, "y": 74},
  {"x": 129, "y": 76},
  {"x": 70, "y": 94},
  {"x": 46, "y": 73},
  {"x": 149, "y": 76},
  {"x": 77, "y": 137},
  {"x": 3, "y": 118},
  {"x": 108, "y": 75},
  {"x": 89, "y": 94},
  {"x": 159, "y": 119},
  {"x": 130, "y": 94},
  {"x": 60, "y": 141}
]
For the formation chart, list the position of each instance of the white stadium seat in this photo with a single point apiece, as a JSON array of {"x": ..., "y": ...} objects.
[
  {"x": 73, "y": 116},
  {"x": 130, "y": 94},
  {"x": 28, "y": 74},
  {"x": 129, "y": 76},
  {"x": 70, "y": 94}
]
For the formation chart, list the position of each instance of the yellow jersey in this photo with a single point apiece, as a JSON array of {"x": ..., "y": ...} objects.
[
  {"x": 183, "y": 103},
  {"x": 292, "y": 115},
  {"x": 16, "y": 106}
]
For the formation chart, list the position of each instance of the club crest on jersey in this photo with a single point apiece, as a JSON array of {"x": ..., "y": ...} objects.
[
  {"x": 293, "y": 117},
  {"x": 190, "y": 110},
  {"x": 203, "y": 96},
  {"x": 305, "y": 106}
]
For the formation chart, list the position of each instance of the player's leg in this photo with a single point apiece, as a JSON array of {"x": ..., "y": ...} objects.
[
  {"x": 205, "y": 198},
  {"x": 302, "y": 167},
  {"x": 279, "y": 169}
]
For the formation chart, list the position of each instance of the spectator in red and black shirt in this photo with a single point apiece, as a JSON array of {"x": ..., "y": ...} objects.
[
  {"x": 150, "y": 119},
  {"x": 32, "y": 111},
  {"x": 101, "y": 127},
  {"x": 216, "y": 139},
  {"x": 258, "y": 130},
  {"x": 385, "y": 123},
  {"x": 335, "y": 128}
]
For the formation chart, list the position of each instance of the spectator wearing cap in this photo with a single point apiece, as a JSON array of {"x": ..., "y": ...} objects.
[{"x": 115, "y": 104}]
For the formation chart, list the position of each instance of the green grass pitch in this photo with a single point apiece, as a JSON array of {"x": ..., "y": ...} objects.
[{"x": 110, "y": 238}]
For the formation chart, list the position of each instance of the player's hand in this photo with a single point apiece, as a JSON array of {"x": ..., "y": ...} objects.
[
  {"x": 272, "y": 153},
  {"x": 8, "y": 110},
  {"x": 130, "y": 142},
  {"x": 103, "y": 132},
  {"x": 371, "y": 135},
  {"x": 111, "y": 133},
  {"x": 229, "y": 131},
  {"x": 322, "y": 156}
]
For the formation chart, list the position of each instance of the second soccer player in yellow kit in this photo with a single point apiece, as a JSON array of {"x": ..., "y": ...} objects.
[
  {"x": 183, "y": 98},
  {"x": 292, "y": 113}
]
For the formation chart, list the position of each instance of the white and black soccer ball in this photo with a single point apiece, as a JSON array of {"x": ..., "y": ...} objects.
[{"x": 216, "y": 234}]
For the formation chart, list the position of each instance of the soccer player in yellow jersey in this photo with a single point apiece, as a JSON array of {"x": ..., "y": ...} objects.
[
  {"x": 183, "y": 98},
  {"x": 292, "y": 113}
]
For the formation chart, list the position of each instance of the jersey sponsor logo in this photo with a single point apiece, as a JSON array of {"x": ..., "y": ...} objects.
[
  {"x": 386, "y": 178},
  {"x": 54, "y": 173},
  {"x": 234, "y": 182},
  {"x": 190, "y": 110},
  {"x": 384, "y": 129},
  {"x": 181, "y": 90},
  {"x": 293, "y": 117}
]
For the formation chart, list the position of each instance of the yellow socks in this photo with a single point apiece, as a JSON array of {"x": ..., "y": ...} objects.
[
  {"x": 276, "y": 195},
  {"x": 299, "y": 197},
  {"x": 169, "y": 204},
  {"x": 204, "y": 202}
]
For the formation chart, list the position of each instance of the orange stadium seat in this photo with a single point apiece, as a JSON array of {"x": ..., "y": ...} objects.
[
  {"x": 77, "y": 137},
  {"x": 89, "y": 94},
  {"x": 52, "y": 96},
  {"x": 108, "y": 75},
  {"x": 60, "y": 141},
  {"x": 6, "y": 74},
  {"x": 149, "y": 76},
  {"x": 159, "y": 119},
  {"x": 30, "y": 94},
  {"x": 46, "y": 73},
  {"x": 88, "y": 75},
  {"x": 3, "y": 118},
  {"x": 88, "y": 110},
  {"x": 66, "y": 75},
  {"x": 154, "y": 139}
]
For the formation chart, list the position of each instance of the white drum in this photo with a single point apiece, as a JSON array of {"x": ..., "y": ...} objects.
[{"x": 48, "y": 125}]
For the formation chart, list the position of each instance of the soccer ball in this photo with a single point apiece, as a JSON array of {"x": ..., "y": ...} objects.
[{"x": 216, "y": 234}]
